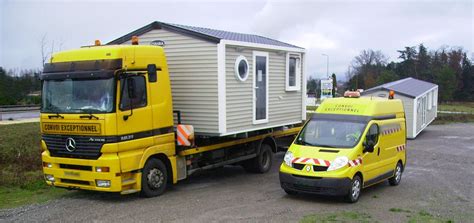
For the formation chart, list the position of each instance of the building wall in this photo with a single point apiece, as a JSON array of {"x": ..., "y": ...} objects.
[
  {"x": 423, "y": 104},
  {"x": 284, "y": 107},
  {"x": 408, "y": 104},
  {"x": 192, "y": 64}
]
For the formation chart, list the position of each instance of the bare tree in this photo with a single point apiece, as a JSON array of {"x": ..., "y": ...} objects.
[{"x": 44, "y": 54}]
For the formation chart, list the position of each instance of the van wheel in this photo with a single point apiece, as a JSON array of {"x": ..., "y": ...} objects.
[
  {"x": 262, "y": 163},
  {"x": 154, "y": 178},
  {"x": 290, "y": 192},
  {"x": 356, "y": 188},
  {"x": 397, "y": 177}
]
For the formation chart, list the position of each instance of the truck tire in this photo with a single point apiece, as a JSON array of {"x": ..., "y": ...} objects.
[
  {"x": 355, "y": 190},
  {"x": 262, "y": 163},
  {"x": 397, "y": 177},
  {"x": 154, "y": 178}
]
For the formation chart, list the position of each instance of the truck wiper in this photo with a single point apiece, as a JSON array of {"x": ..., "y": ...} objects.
[
  {"x": 89, "y": 116},
  {"x": 57, "y": 115}
]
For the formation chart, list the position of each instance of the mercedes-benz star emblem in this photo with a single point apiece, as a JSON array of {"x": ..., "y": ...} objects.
[{"x": 70, "y": 144}]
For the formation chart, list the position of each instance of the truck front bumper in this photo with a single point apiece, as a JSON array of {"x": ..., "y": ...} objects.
[
  {"x": 82, "y": 174},
  {"x": 315, "y": 185}
]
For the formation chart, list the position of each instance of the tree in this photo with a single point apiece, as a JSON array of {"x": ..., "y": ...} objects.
[
  {"x": 334, "y": 85},
  {"x": 367, "y": 67},
  {"x": 446, "y": 80},
  {"x": 386, "y": 76},
  {"x": 311, "y": 85},
  {"x": 467, "y": 91}
]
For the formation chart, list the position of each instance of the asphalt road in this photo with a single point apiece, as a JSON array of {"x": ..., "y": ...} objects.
[{"x": 438, "y": 180}]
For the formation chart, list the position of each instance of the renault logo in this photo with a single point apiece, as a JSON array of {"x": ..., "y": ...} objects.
[{"x": 70, "y": 144}]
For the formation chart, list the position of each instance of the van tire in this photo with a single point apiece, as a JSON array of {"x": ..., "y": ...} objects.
[
  {"x": 291, "y": 192},
  {"x": 154, "y": 178},
  {"x": 355, "y": 190},
  {"x": 397, "y": 176},
  {"x": 262, "y": 163}
]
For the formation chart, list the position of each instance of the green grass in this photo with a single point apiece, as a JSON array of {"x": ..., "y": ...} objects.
[
  {"x": 457, "y": 107},
  {"x": 399, "y": 210},
  {"x": 32, "y": 193},
  {"x": 424, "y": 216},
  {"x": 346, "y": 216},
  {"x": 453, "y": 118},
  {"x": 21, "y": 176}
]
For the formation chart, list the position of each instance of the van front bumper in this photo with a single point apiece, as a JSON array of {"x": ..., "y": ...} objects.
[{"x": 315, "y": 185}]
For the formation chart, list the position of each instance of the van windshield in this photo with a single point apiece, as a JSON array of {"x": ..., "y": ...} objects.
[{"x": 331, "y": 133}]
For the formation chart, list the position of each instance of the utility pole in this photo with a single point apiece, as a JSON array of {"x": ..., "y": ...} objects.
[{"x": 327, "y": 64}]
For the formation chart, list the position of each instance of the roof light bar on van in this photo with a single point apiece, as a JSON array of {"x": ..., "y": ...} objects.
[{"x": 351, "y": 94}]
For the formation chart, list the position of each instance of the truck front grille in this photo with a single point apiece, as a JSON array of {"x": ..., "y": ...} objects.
[{"x": 86, "y": 147}]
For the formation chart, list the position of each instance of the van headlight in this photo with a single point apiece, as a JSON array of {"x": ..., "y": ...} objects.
[
  {"x": 338, "y": 163},
  {"x": 288, "y": 158}
]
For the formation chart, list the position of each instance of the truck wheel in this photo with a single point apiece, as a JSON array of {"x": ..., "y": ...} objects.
[
  {"x": 262, "y": 163},
  {"x": 154, "y": 178},
  {"x": 397, "y": 177},
  {"x": 354, "y": 191}
]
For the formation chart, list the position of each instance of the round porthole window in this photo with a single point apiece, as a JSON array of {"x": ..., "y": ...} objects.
[{"x": 241, "y": 68}]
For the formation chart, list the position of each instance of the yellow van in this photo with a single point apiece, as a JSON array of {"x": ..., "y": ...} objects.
[{"x": 349, "y": 143}]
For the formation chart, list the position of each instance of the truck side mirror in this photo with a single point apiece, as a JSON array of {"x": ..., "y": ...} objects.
[
  {"x": 131, "y": 88},
  {"x": 152, "y": 72}
]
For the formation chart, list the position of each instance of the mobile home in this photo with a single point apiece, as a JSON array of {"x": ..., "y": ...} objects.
[
  {"x": 420, "y": 101},
  {"x": 242, "y": 82}
]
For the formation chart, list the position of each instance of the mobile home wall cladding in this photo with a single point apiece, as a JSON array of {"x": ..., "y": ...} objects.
[
  {"x": 420, "y": 101},
  {"x": 210, "y": 94}
]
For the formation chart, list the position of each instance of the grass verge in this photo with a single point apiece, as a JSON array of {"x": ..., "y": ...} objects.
[
  {"x": 346, "y": 216},
  {"x": 21, "y": 176}
]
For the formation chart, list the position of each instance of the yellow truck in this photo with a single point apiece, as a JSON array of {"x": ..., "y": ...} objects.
[
  {"x": 349, "y": 143},
  {"x": 108, "y": 124}
]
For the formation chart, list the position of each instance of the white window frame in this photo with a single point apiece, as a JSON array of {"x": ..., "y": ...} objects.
[
  {"x": 254, "y": 64},
  {"x": 236, "y": 68},
  {"x": 430, "y": 100},
  {"x": 298, "y": 72}
]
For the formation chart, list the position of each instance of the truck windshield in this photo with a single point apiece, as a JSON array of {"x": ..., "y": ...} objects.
[
  {"x": 78, "y": 95},
  {"x": 330, "y": 133}
]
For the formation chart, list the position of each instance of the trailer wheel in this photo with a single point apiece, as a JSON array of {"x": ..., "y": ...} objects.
[
  {"x": 154, "y": 178},
  {"x": 262, "y": 163}
]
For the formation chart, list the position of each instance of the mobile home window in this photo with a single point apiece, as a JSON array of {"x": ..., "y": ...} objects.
[
  {"x": 293, "y": 72},
  {"x": 241, "y": 68},
  {"x": 430, "y": 99}
]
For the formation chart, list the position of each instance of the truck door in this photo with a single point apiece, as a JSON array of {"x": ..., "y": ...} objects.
[
  {"x": 371, "y": 158},
  {"x": 134, "y": 114}
]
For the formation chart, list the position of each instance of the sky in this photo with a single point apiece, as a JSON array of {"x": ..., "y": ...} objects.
[{"x": 339, "y": 29}]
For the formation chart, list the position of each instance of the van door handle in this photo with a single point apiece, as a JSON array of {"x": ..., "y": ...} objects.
[{"x": 378, "y": 151}]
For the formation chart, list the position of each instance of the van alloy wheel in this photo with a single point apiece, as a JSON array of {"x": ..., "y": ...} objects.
[
  {"x": 397, "y": 176},
  {"x": 354, "y": 190}
]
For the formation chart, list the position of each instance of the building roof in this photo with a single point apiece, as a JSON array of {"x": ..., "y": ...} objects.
[
  {"x": 410, "y": 87},
  {"x": 212, "y": 35}
]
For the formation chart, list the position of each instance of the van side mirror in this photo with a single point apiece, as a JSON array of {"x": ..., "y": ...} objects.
[
  {"x": 131, "y": 88},
  {"x": 368, "y": 146},
  {"x": 152, "y": 72}
]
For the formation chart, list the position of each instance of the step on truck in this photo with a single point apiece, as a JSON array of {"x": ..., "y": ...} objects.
[{"x": 108, "y": 124}]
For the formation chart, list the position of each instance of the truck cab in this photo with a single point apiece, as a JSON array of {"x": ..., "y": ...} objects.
[
  {"x": 105, "y": 111},
  {"x": 349, "y": 143}
]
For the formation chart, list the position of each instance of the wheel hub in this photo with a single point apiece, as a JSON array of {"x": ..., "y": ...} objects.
[{"x": 155, "y": 178}]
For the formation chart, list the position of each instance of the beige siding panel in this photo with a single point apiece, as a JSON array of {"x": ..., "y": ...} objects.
[
  {"x": 283, "y": 107},
  {"x": 191, "y": 60}
]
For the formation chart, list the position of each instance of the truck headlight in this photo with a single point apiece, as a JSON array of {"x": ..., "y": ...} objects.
[
  {"x": 288, "y": 158},
  {"x": 338, "y": 163},
  {"x": 49, "y": 177}
]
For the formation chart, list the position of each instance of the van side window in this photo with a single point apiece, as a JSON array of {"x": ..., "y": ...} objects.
[
  {"x": 373, "y": 133},
  {"x": 139, "y": 100}
]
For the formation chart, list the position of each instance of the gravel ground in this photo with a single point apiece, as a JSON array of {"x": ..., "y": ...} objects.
[{"x": 438, "y": 180}]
